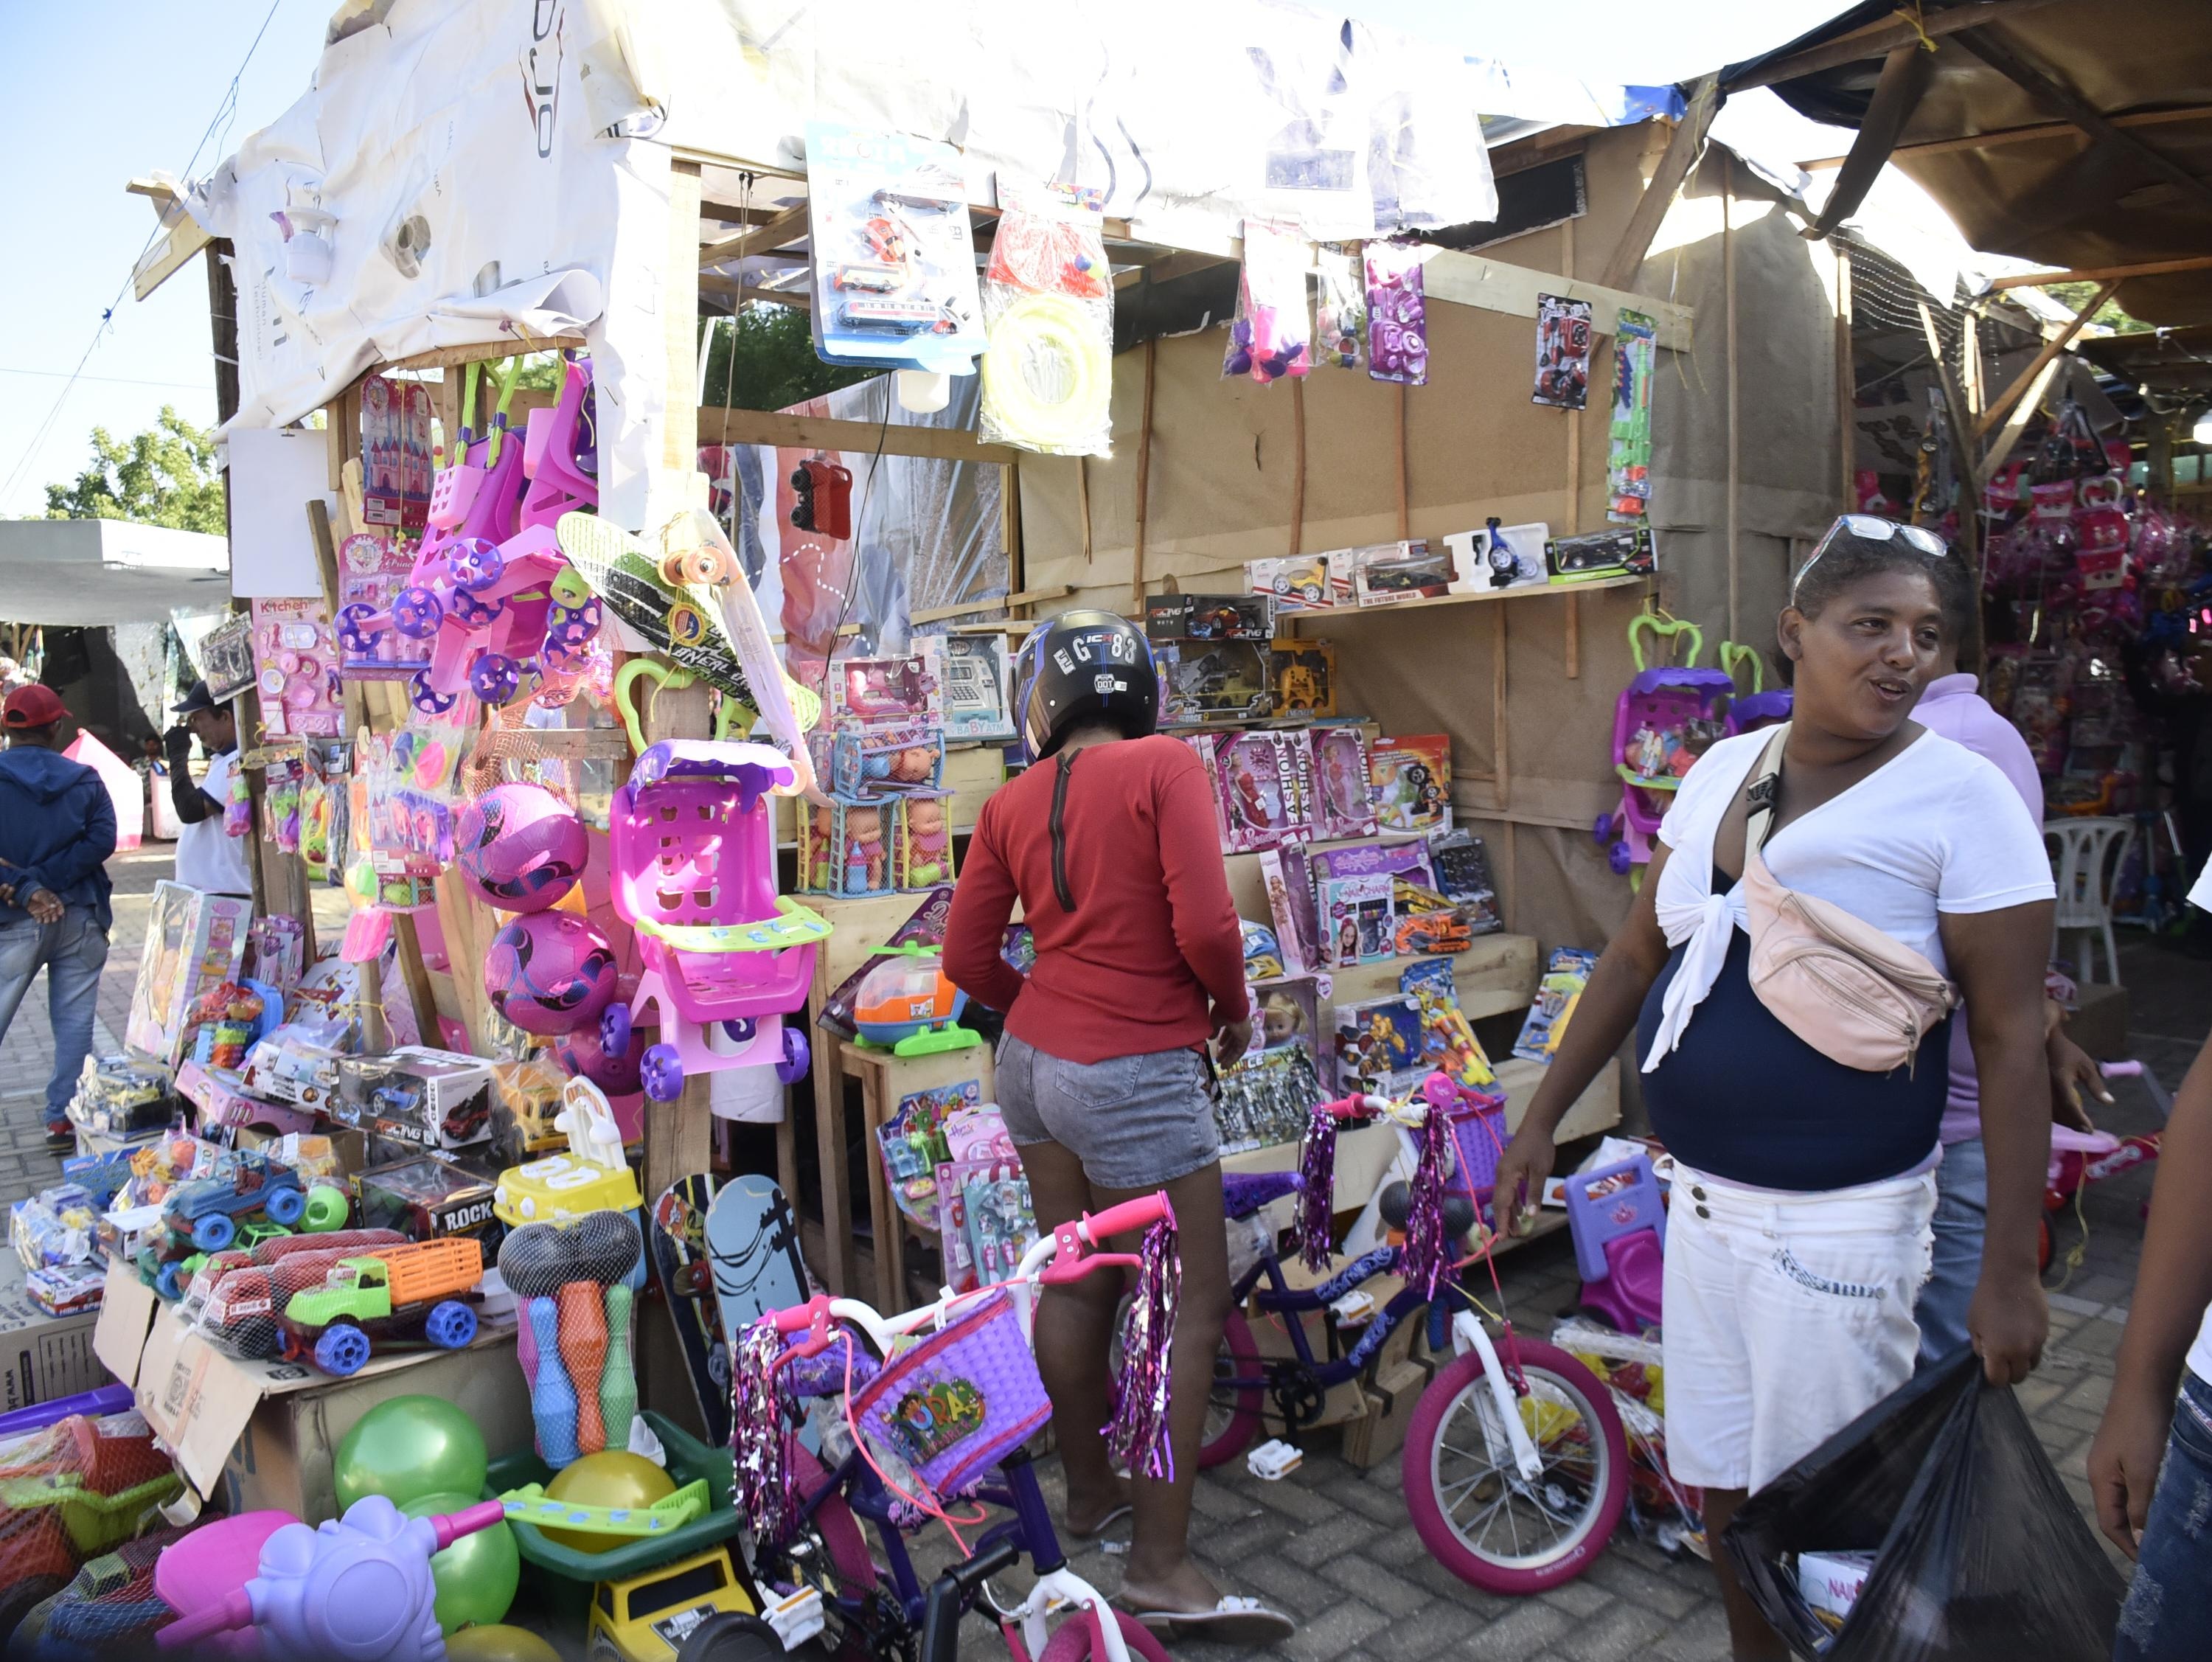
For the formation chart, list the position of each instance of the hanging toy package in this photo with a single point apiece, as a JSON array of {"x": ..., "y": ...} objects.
[
  {"x": 893, "y": 261},
  {"x": 1048, "y": 313},
  {"x": 1267, "y": 339},
  {"x": 1397, "y": 313},
  {"x": 1341, "y": 314}
]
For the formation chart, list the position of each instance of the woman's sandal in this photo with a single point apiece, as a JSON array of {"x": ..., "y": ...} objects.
[{"x": 1235, "y": 1620}]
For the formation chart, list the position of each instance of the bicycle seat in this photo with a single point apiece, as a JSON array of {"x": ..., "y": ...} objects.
[
  {"x": 1243, "y": 1193},
  {"x": 1397, "y": 1199}
]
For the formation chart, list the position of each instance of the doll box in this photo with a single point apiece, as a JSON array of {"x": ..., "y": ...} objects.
[
  {"x": 900, "y": 759},
  {"x": 860, "y": 691},
  {"x": 1341, "y": 804},
  {"x": 1260, "y": 787},
  {"x": 1358, "y": 921},
  {"x": 845, "y": 848}
]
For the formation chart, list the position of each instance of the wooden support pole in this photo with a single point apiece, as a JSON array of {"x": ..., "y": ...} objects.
[
  {"x": 1297, "y": 467},
  {"x": 1144, "y": 484},
  {"x": 1498, "y": 741},
  {"x": 1847, "y": 402},
  {"x": 2004, "y": 136},
  {"x": 1675, "y": 164},
  {"x": 1735, "y": 427},
  {"x": 2103, "y": 273},
  {"x": 1876, "y": 39},
  {"x": 2052, "y": 348},
  {"x": 1962, "y": 458},
  {"x": 1010, "y": 524},
  {"x": 1405, "y": 505},
  {"x": 1083, "y": 501},
  {"x": 1574, "y": 641}
]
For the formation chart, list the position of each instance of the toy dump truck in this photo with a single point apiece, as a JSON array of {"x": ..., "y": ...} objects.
[{"x": 415, "y": 1294}]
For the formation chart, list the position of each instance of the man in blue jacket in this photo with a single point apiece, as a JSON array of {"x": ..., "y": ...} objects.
[{"x": 57, "y": 830}]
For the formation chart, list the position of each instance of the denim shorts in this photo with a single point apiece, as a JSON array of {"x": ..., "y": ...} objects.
[{"x": 1135, "y": 1121}]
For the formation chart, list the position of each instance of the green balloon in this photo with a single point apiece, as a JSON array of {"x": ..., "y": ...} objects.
[
  {"x": 409, "y": 1447},
  {"x": 477, "y": 1574}
]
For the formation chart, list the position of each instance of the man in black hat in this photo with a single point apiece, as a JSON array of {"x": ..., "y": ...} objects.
[{"x": 209, "y": 858}]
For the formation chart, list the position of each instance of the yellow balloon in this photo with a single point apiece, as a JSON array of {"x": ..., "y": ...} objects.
[
  {"x": 497, "y": 1642},
  {"x": 612, "y": 1477}
]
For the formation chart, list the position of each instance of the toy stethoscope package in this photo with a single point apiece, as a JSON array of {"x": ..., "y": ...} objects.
[
  {"x": 894, "y": 260},
  {"x": 1048, "y": 308}
]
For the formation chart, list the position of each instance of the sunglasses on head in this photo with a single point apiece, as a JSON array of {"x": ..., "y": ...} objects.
[{"x": 1873, "y": 528}]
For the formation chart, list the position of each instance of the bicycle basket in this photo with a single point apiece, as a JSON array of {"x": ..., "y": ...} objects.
[
  {"x": 1478, "y": 1136},
  {"x": 960, "y": 1401}
]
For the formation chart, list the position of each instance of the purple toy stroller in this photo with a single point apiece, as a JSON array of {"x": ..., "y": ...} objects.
[
  {"x": 693, "y": 863},
  {"x": 1667, "y": 718},
  {"x": 1758, "y": 708}
]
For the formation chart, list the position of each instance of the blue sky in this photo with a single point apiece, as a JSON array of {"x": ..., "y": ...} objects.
[{"x": 99, "y": 90}]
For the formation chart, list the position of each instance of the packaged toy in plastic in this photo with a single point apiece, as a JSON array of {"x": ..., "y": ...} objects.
[
  {"x": 1568, "y": 973},
  {"x": 893, "y": 261},
  {"x": 1397, "y": 313},
  {"x": 1268, "y": 337},
  {"x": 1340, "y": 311},
  {"x": 1049, "y": 311}
]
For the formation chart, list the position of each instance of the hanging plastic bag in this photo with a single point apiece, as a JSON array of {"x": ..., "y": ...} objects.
[
  {"x": 1979, "y": 1551},
  {"x": 1341, "y": 312},
  {"x": 1049, "y": 315},
  {"x": 1397, "y": 313},
  {"x": 1268, "y": 337}
]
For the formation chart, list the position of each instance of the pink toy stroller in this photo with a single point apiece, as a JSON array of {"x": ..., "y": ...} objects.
[
  {"x": 1666, "y": 719},
  {"x": 1619, "y": 1226},
  {"x": 725, "y": 956}
]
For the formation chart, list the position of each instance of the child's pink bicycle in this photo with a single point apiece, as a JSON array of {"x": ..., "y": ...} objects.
[{"x": 951, "y": 1416}]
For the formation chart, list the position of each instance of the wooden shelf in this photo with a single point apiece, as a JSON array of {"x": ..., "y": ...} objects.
[{"x": 1524, "y": 592}]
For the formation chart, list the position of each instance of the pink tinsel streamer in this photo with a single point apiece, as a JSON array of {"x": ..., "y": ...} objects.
[
  {"x": 1427, "y": 1258},
  {"x": 1317, "y": 1178},
  {"x": 1137, "y": 1436},
  {"x": 762, "y": 1477}
]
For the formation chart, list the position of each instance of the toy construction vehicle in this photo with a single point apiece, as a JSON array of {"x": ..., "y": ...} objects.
[
  {"x": 207, "y": 1211},
  {"x": 647, "y": 1617},
  {"x": 415, "y": 1295},
  {"x": 1427, "y": 922}
]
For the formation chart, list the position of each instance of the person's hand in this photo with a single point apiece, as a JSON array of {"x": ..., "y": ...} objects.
[
  {"x": 2074, "y": 1072},
  {"x": 1521, "y": 1169},
  {"x": 7, "y": 894},
  {"x": 44, "y": 906},
  {"x": 2009, "y": 1321},
  {"x": 2124, "y": 1463},
  {"x": 178, "y": 740},
  {"x": 1231, "y": 1039}
]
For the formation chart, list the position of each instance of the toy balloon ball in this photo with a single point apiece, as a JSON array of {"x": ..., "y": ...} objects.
[
  {"x": 408, "y": 1447},
  {"x": 498, "y": 1642},
  {"x": 519, "y": 848},
  {"x": 611, "y": 1477},
  {"x": 583, "y": 1055},
  {"x": 476, "y": 1576},
  {"x": 549, "y": 972}
]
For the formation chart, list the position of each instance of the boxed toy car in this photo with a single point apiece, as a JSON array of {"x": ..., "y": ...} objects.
[
  {"x": 1212, "y": 683},
  {"x": 426, "y": 1197},
  {"x": 1299, "y": 582},
  {"x": 1390, "y": 572},
  {"x": 1621, "y": 552},
  {"x": 432, "y": 1099},
  {"x": 1210, "y": 617}
]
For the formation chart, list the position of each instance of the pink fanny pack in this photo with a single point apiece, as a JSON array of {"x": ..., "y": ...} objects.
[{"x": 1850, "y": 991}]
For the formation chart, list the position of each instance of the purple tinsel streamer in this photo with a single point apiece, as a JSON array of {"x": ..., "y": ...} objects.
[
  {"x": 1317, "y": 1176},
  {"x": 1137, "y": 1436},
  {"x": 1427, "y": 1256},
  {"x": 762, "y": 1478}
]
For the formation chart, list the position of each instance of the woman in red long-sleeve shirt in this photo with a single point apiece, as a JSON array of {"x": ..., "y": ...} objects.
[{"x": 1109, "y": 844}]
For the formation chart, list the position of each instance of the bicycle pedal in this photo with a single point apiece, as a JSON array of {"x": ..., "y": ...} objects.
[
  {"x": 797, "y": 1618},
  {"x": 1355, "y": 1309},
  {"x": 1274, "y": 1460}
]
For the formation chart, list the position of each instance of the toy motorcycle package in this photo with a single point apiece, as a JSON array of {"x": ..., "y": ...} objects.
[{"x": 893, "y": 261}]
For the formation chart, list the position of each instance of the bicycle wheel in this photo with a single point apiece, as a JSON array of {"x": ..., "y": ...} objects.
[
  {"x": 1475, "y": 1511},
  {"x": 1076, "y": 1641}
]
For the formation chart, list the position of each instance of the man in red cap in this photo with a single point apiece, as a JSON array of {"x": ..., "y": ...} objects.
[{"x": 57, "y": 830}]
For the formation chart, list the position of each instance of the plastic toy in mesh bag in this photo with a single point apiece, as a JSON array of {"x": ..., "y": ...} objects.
[
  {"x": 576, "y": 1282},
  {"x": 110, "y": 1609},
  {"x": 1049, "y": 315},
  {"x": 70, "y": 1491}
]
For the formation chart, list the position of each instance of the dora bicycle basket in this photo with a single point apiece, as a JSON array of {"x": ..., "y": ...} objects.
[{"x": 959, "y": 1401}]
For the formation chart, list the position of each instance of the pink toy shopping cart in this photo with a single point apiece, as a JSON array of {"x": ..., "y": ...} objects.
[
  {"x": 725, "y": 956},
  {"x": 1666, "y": 719}
]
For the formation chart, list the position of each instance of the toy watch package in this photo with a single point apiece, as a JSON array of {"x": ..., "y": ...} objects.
[
  {"x": 1305, "y": 681},
  {"x": 1564, "y": 977},
  {"x": 1358, "y": 923},
  {"x": 1412, "y": 780},
  {"x": 894, "y": 260},
  {"x": 1210, "y": 617},
  {"x": 1340, "y": 802},
  {"x": 1212, "y": 683}
]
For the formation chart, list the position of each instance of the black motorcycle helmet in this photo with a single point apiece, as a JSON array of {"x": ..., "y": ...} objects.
[{"x": 1084, "y": 667}]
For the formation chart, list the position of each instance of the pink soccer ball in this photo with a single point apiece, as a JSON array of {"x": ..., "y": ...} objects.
[
  {"x": 583, "y": 1054},
  {"x": 519, "y": 848},
  {"x": 549, "y": 972}
]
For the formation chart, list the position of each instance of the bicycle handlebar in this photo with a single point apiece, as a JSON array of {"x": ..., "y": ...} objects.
[
  {"x": 2120, "y": 1070},
  {"x": 1142, "y": 1212},
  {"x": 1359, "y": 1107}
]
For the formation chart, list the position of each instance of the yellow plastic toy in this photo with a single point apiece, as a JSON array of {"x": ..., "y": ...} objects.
[
  {"x": 592, "y": 1177},
  {"x": 648, "y": 1617}
]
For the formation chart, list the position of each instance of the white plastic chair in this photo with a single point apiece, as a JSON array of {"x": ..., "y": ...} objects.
[{"x": 2086, "y": 857}]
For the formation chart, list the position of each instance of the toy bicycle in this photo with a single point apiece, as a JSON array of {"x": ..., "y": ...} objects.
[
  {"x": 1515, "y": 1466},
  {"x": 2078, "y": 1159},
  {"x": 957, "y": 1437}
]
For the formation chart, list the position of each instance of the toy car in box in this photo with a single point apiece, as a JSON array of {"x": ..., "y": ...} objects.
[
  {"x": 1210, "y": 617},
  {"x": 1214, "y": 683},
  {"x": 1390, "y": 572},
  {"x": 117, "y": 1097},
  {"x": 1299, "y": 582},
  {"x": 432, "y": 1099},
  {"x": 425, "y": 1198},
  {"x": 1305, "y": 676},
  {"x": 1622, "y": 553}
]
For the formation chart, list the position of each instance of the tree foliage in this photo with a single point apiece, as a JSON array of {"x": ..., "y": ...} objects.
[
  {"x": 164, "y": 476},
  {"x": 775, "y": 366}
]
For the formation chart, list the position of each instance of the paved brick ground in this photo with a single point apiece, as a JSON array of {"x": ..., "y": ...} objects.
[{"x": 1331, "y": 1544}]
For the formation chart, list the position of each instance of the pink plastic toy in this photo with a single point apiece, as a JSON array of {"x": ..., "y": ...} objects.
[
  {"x": 561, "y": 451},
  {"x": 1665, "y": 720},
  {"x": 359, "y": 1588},
  {"x": 1619, "y": 1226},
  {"x": 693, "y": 858}
]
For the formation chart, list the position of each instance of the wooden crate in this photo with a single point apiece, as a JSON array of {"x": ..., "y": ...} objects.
[{"x": 1380, "y": 1433}]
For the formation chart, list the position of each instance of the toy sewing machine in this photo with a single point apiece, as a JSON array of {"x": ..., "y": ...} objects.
[
  {"x": 592, "y": 1177},
  {"x": 725, "y": 956}
]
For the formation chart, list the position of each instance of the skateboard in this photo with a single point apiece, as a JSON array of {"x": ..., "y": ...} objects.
[
  {"x": 678, "y": 1242},
  {"x": 752, "y": 1250},
  {"x": 625, "y": 576}
]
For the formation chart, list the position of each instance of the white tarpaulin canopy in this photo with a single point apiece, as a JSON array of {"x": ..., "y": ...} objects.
[{"x": 93, "y": 573}]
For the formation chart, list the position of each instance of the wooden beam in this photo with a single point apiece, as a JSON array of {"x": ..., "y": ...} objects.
[
  {"x": 2001, "y": 136},
  {"x": 1906, "y": 74},
  {"x": 1687, "y": 139},
  {"x": 1878, "y": 40},
  {"x": 720, "y": 426},
  {"x": 2062, "y": 100},
  {"x": 1083, "y": 501},
  {"x": 1298, "y": 475},
  {"x": 937, "y": 614},
  {"x": 712, "y": 283},
  {"x": 1404, "y": 503},
  {"x": 2101, "y": 273},
  {"x": 455, "y": 357},
  {"x": 1961, "y": 418},
  {"x": 180, "y": 238},
  {"x": 2023, "y": 412},
  {"x": 788, "y": 226},
  {"x": 2052, "y": 348},
  {"x": 1144, "y": 483},
  {"x": 1498, "y": 285},
  {"x": 1846, "y": 385}
]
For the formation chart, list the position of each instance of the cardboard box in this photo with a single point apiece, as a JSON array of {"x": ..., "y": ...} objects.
[
  {"x": 41, "y": 1356},
  {"x": 1380, "y": 1435}
]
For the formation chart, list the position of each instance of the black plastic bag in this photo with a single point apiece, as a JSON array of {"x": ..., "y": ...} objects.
[{"x": 1983, "y": 1556}]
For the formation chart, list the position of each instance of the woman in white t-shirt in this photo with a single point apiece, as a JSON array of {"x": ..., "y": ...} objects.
[
  {"x": 1799, "y": 1229},
  {"x": 2160, "y": 1408}
]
